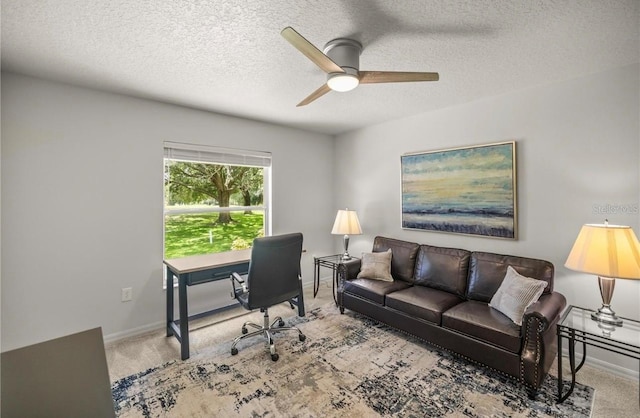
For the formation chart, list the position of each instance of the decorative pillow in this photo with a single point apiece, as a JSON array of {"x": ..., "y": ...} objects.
[
  {"x": 516, "y": 294},
  {"x": 376, "y": 266}
]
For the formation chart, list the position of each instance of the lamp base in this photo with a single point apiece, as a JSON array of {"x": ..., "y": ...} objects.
[
  {"x": 345, "y": 255},
  {"x": 606, "y": 316}
]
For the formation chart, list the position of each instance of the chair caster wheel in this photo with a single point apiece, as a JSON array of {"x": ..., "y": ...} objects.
[
  {"x": 244, "y": 330},
  {"x": 302, "y": 337},
  {"x": 281, "y": 323},
  {"x": 275, "y": 357},
  {"x": 234, "y": 351}
]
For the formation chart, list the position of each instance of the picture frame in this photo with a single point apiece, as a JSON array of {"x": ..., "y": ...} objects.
[{"x": 466, "y": 190}]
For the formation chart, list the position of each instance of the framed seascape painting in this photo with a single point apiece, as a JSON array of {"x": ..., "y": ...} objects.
[{"x": 468, "y": 190}]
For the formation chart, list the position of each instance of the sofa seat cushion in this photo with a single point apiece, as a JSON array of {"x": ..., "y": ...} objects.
[
  {"x": 422, "y": 302},
  {"x": 479, "y": 320},
  {"x": 373, "y": 290}
]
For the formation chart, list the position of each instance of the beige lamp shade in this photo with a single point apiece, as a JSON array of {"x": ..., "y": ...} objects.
[
  {"x": 346, "y": 223},
  {"x": 606, "y": 250}
]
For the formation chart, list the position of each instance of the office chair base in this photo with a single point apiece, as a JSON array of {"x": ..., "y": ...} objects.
[{"x": 267, "y": 330}]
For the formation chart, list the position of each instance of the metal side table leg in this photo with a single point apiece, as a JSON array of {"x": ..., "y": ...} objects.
[
  {"x": 572, "y": 365},
  {"x": 316, "y": 276},
  {"x": 559, "y": 366}
]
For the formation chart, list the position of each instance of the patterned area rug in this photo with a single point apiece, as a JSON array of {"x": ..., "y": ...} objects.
[{"x": 348, "y": 366}]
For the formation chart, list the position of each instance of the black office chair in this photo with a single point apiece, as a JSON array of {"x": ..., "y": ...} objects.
[{"x": 274, "y": 277}]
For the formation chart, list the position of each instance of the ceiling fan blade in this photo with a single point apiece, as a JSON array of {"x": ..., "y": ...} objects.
[
  {"x": 310, "y": 51},
  {"x": 324, "y": 89},
  {"x": 368, "y": 77}
]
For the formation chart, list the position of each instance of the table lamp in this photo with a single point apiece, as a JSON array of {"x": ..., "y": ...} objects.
[
  {"x": 610, "y": 252},
  {"x": 346, "y": 223}
]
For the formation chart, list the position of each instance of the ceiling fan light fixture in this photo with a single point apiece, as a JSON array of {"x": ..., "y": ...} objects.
[
  {"x": 342, "y": 81},
  {"x": 340, "y": 60}
]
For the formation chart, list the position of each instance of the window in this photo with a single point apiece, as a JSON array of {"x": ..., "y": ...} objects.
[{"x": 215, "y": 199}]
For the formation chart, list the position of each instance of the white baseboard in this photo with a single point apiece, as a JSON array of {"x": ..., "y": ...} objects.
[
  {"x": 133, "y": 332},
  {"x": 604, "y": 366}
]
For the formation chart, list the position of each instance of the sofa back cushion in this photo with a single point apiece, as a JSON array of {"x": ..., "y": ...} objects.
[
  {"x": 443, "y": 269},
  {"x": 487, "y": 270},
  {"x": 403, "y": 259}
]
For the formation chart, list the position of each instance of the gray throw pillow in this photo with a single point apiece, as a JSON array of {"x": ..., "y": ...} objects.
[
  {"x": 516, "y": 294},
  {"x": 376, "y": 266}
]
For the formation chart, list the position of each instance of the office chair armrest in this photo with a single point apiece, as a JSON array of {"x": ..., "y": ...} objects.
[{"x": 235, "y": 277}]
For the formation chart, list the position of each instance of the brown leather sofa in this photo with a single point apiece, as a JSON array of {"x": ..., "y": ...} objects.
[{"x": 442, "y": 295}]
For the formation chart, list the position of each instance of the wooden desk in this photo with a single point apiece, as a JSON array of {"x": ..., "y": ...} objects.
[{"x": 192, "y": 271}]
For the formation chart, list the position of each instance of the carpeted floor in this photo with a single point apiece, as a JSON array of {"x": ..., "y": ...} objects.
[{"x": 348, "y": 366}]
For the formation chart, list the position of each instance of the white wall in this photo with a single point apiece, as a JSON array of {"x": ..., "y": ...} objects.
[
  {"x": 82, "y": 190},
  {"x": 578, "y": 145},
  {"x": 82, "y": 204}
]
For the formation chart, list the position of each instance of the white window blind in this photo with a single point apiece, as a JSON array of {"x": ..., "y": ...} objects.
[
  {"x": 206, "y": 154},
  {"x": 177, "y": 151}
]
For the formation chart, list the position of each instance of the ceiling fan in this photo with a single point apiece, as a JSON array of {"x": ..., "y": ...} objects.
[{"x": 341, "y": 62}]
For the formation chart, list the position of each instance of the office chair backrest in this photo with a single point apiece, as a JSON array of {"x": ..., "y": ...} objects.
[{"x": 274, "y": 270}]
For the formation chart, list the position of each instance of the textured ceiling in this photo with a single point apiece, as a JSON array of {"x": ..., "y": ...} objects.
[{"x": 227, "y": 56}]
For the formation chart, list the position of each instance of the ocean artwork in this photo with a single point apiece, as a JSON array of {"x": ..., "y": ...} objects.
[{"x": 464, "y": 190}]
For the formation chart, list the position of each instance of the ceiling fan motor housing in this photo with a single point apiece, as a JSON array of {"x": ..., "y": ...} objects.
[{"x": 345, "y": 53}]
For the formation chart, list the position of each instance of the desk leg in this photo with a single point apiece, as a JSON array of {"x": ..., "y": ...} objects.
[
  {"x": 169, "y": 285},
  {"x": 184, "y": 318}
]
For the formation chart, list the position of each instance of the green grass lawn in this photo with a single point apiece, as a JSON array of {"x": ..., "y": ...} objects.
[{"x": 188, "y": 234}]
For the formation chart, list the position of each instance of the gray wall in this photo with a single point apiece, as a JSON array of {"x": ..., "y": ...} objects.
[
  {"x": 577, "y": 147},
  {"x": 82, "y": 204}
]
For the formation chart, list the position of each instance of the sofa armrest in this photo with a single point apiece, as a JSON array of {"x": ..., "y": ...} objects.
[
  {"x": 546, "y": 311},
  {"x": 539, "y": 338},
  {"x": 350, "y": 269}
]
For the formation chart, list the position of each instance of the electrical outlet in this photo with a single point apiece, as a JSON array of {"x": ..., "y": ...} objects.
[{"x": 127, "y": 294}]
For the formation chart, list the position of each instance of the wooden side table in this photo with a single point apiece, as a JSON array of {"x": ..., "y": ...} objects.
[
  {"x": 577, "y": 326},
  {"x": 332, "y": 262}
]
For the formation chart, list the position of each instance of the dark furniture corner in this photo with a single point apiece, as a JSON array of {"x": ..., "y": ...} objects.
[
  {"x": 274, "y": 277},
  {"x": 64, "y": 377}
]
